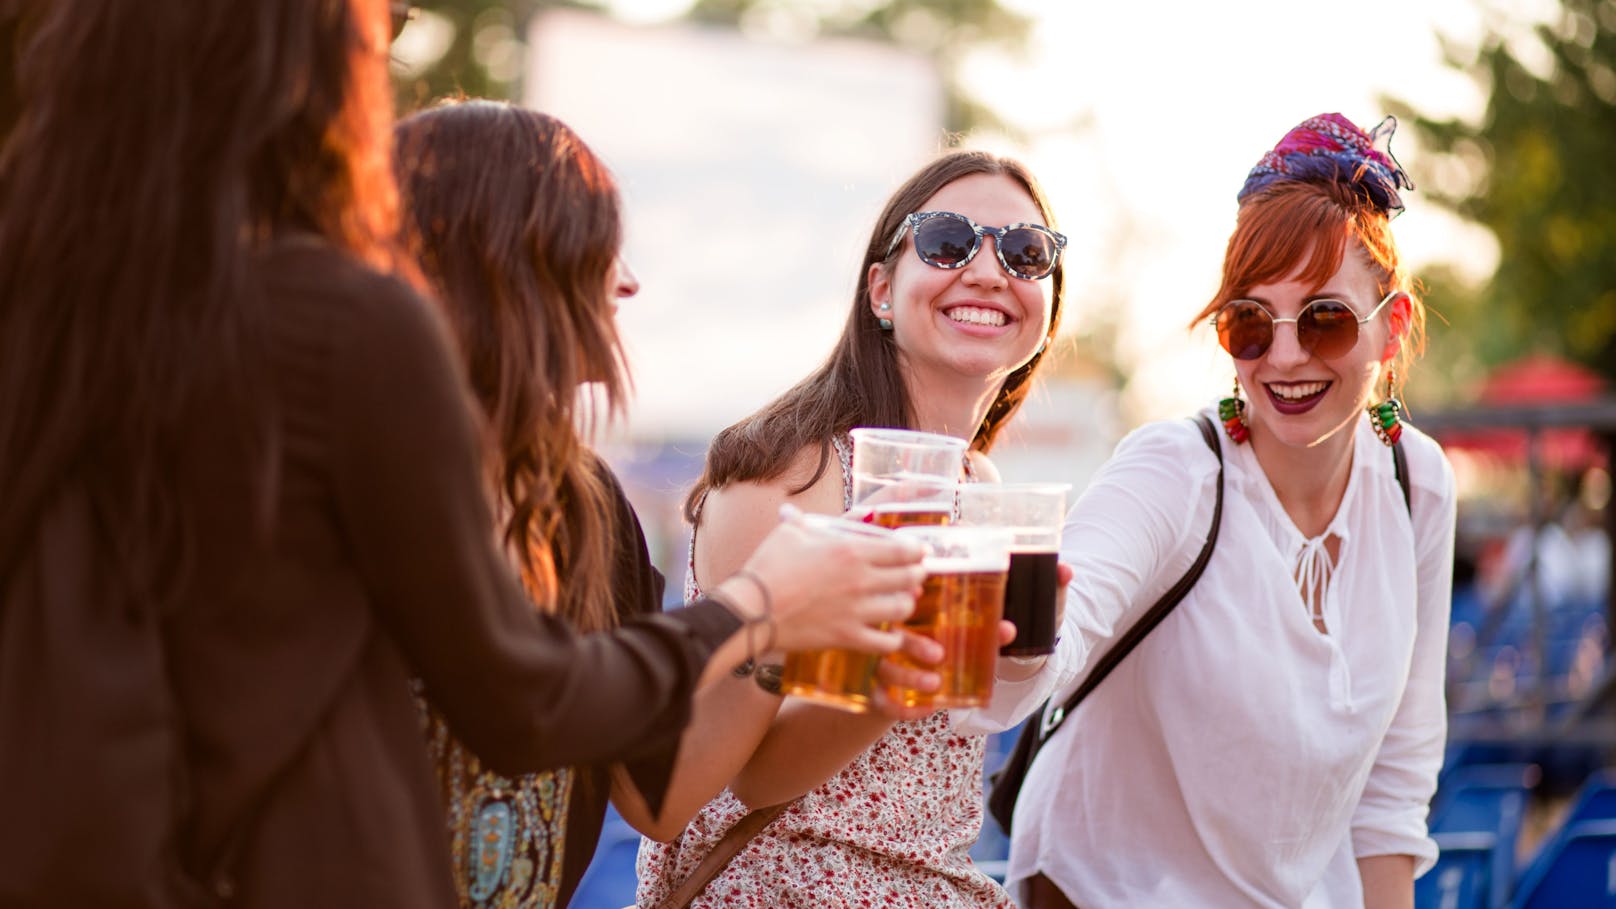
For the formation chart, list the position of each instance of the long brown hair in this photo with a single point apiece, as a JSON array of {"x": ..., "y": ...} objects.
[
  {"x": 160, "y": 145},
  {"x": 516, "y": 222},
  {"x": 861, "y": 384},
  {"x": 1307, "y": 228}
]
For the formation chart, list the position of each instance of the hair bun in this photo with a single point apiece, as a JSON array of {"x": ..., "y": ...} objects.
[{"x": 1329, "y": 148}]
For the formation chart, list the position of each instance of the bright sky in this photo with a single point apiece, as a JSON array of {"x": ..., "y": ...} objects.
[{"x": 1144, "y": 120}]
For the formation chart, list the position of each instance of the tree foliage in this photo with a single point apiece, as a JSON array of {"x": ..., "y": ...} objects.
[
  {"x": 1538, "y": 172},
  {"x": 942, "y": 30}
]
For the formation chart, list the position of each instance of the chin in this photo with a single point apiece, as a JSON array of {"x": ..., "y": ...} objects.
[{"x": 1305, "y": 430}]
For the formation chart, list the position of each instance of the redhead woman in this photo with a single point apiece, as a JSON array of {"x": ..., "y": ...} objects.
[{"x": 1274, "y": 742}]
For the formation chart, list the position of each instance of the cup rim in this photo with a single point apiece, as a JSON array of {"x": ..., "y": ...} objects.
[
  {"x": 841, "y": 523},
  {"x": 910, "y": 438},
  {"x": 1032, "y": 486}
]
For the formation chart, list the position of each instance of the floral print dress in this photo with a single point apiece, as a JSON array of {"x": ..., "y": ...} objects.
[{"x": 892, "y": 829}]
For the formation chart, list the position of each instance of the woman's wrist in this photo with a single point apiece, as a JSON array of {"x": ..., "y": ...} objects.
[
  {"x": 746, "y": 596},
  {"x": 1020, "y": 668}
]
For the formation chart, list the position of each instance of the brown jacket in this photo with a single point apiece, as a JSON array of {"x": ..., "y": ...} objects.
[{"x": 373, "y": 564}]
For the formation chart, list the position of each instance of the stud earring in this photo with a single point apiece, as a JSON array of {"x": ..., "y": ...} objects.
[
  {"x": 884, "y": 322},
  {"x": 1232, "y": 411},
  {"x": 1387, "y": 417}
]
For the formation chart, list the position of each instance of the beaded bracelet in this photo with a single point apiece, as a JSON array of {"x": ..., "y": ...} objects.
[{"x": 768, "y": 677}]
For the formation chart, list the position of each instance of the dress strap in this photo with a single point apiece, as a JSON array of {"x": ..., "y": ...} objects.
[
  {"x": 692, "y": 589},
  {"x": 843, "y": 443}
]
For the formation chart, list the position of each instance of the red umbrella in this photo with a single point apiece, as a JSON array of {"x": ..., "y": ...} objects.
[
  {"x": 1540, "y": 379},
  {"x": 1537, "y": 379}
]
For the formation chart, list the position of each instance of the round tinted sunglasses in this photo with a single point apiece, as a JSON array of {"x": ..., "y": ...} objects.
[
  {"x": 944, "y": 239},
  {"x": 1325, "y": 327}
]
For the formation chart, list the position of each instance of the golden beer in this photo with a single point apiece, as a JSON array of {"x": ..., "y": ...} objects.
[
  {"x": 960, "y": 609},
  {"x": 911, "y": 514},
  {"x": 846, "y": 678},
  {"x": 841, "y": 678}
]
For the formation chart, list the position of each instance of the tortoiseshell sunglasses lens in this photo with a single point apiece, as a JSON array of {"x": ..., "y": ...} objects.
[{"x": 1325, "y": 328}]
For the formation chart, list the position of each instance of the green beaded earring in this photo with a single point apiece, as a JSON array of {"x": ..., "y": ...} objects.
[
  {"x": 1386, "y": 417},
  {"x": 1232, "y": 411}
]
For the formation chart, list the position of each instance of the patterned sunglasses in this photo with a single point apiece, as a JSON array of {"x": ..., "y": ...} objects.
[{"x": 945, "y": 239}]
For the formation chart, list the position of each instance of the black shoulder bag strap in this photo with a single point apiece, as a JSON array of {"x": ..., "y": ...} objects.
[
  {"x": 1007, "y": 782},
  {"x": 1146, "y": 624},
  {"x": 1400, "y": 467}
]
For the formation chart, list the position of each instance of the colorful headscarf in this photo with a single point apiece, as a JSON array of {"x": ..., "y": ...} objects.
[{"x": 1330, "y": 149}]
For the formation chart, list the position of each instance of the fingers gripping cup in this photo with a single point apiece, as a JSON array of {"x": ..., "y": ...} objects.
[
  {"x": 840, "y": 678},
  {"x": 902, "y": 477},
  {"x": 1034, "y": 514},
  {"x": 959, "y": 607}
]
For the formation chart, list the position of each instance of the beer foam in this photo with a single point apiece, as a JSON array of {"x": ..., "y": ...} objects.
[
  {"x": 1035, "y": 539},
  {"x": 914, "y": 507},
  {"x": 968, "y": 564}
]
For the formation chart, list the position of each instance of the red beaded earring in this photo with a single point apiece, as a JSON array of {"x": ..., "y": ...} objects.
[{"x": 1232, "y": 411}]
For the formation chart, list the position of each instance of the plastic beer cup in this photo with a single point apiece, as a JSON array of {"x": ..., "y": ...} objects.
[
  {"x": 840, "y": 678},
  {"x": 1034, "y": 514},
  {"x": 902, "y": 477},
  {"x": 959, "y": 607}
]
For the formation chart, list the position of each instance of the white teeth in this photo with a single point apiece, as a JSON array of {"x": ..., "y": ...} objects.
[
  {"x": 1296, "y": 391},
  {"x": 976, "y": 316}
]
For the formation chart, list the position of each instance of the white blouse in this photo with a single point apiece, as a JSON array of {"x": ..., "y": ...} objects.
[{"x": 1239, "y": 757}]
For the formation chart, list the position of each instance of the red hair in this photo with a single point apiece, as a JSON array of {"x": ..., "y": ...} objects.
[{"x": 1302, "y": 230}]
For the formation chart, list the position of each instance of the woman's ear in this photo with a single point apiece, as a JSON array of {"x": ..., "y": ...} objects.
[
  {"x": 1398, "y": 320},
  {"x": 880, "y": 291}
]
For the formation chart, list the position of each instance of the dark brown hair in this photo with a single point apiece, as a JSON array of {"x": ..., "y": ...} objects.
[
  {"x": 861, "y": 384},
  {"x": 516, "y": 223},
  {"x": 1306, "y": 228},
  {"x": 160, "y": 145}
]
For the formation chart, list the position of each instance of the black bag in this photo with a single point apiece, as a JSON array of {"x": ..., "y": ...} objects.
[
  {"x": 1007, "y": 780},
  {"x": 1044, "y": 721}
]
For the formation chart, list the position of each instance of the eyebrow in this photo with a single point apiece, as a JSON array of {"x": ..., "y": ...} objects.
[{"x": 1310, "y": 298}]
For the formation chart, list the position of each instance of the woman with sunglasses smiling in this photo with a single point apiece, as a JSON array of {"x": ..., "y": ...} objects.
[
  {"x": 957, "y": 298},
  {"x": 1274, "y": 741}
]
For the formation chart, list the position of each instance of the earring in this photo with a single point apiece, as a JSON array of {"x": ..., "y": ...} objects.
[
  {"x": 1386, "y": 417},
  {"x": 1232, "y": 411},
  {"x": 884, "y": 322}
]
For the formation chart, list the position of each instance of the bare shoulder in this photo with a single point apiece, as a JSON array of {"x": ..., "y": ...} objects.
[{"x": 737, "y": 516}]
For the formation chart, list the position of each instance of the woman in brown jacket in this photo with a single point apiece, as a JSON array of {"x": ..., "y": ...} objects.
[{"x": 223, "y": 417}]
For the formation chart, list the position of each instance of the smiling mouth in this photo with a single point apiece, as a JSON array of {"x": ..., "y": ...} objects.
[
  {"x": 1297, "y": 392},
  {"x": 974, "y": 315},
  {"x": 1295, "y": 397}
]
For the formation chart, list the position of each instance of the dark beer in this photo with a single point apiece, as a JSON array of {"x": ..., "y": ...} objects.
[
  {"x": 1029, "y": 602},
  {"x": 960, "y": 609}
]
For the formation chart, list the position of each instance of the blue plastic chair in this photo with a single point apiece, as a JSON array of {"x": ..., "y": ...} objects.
[
  {"x": 1595, "y": 803},
  {"x": 1579, "y": 872},
  {"x": 610, "y": 881},
  {"x": 1462, "y": 875},
  {"x": 1485, "y": 800},
  {"x": 1595, "y": 799}
]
